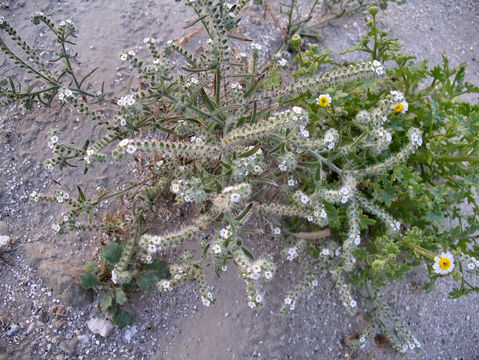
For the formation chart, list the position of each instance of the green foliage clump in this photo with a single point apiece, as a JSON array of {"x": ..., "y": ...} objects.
[{"x": 354, "y": 171}]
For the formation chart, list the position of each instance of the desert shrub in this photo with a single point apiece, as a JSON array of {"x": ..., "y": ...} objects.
[{"x": 354, "y": 172}]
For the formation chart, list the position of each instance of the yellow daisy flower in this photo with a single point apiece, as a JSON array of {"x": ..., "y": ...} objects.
[
  {"x": 324, "y": 100},
  {"x": 401, "y": 107},
  {"x": 444, "y": 263}
]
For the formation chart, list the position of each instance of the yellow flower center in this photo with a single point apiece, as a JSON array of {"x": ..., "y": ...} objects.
[
  {"x": 398, "y": 107},
  {"x": 444, "y": 263},
  {"x": 323, "y": 101}
]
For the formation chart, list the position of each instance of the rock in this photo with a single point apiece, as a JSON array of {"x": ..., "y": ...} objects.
[
  {"x": 43, "y": 316},
  {"x": 83, "y": 339},
  {"x": 64, "y": 280},
  {"x": 4, "y": 228},
  {"x": 101, "y": 327},
  {"x": 58, "y": 323},
  {"x": 12, "y": 329},
  {"x": 5, "y": 243},
  {"x": 61, "y": 276},
  {"x": 69, "y": 346},
  {"x": 38, "y": 252},
  {"x": 129, "y": 333},
  {"x": 59, "y": 311}
]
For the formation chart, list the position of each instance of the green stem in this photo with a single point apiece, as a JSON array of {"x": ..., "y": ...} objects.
[{"x": 420, "y": 250}]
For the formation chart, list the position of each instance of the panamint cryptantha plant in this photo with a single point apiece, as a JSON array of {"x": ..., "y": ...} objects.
[{"x": 244, "y": 155}]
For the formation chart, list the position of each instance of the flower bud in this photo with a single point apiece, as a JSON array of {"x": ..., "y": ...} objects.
[
  {"x": 295, "y": 40},
  {"x": 373, "y": 10}
]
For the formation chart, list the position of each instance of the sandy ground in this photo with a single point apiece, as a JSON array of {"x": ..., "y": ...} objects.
[{"x": 175, "y": 325}]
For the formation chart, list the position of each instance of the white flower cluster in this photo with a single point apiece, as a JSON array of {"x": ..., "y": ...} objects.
[
  {"x": 232, "y": 195},
  {"x": 256, "y": 47},
  {"x": 415, "y": 137},
  {"x": 149, "y": 41},
  {"x": 64, "y": 94},
  {"x": 236, "y": 86},
  {"x": 151, "y": 243},
  {"x": 330, "y": 138},
  {"x": 287, "y": 162},
  {"x": 252, "y": 164},
  {"x": 283, "y": 62},
  {"x": 127, "y": 146},
  {"x": 127, "y": 55},
  {"x": 207, "y": 299},
  {"x": 188, "y": 190},
  {"x": 64, "y": 23},
  {"x": 53, "y": 140},
  {"x": 303, "y": 131},
  {"x": 292, "y": 253},
  {"x": 89, "y": 153},
  {"x": 290, "y": 303},
  {"x": 127, "y": 100},
  {"x": 165, "y": 285},
  {"x": 378, "y": 67},
  {"x": 383, "y": 135},
  {"x": 257, "y": 270},
  {"x": 470, "y": 261},
  {"x": 192, "y": 81},
  {"x": 34, "y": 196},
  {"x": 292, "y": 182},
  {"x": 255, "y": 301},
  {"x": 62, "y": 196}
]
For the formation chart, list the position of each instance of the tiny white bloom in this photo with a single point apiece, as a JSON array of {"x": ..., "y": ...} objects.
[
  {"x": 282, "y": 167},
  {"x": 124, "y": 57},
  {"x": 123, "y": 143},
  {"x": 282, "y": 62},
  {"x": 235, "y": 197},
  {"x": 288, "y": 301},
  {"x": 277, "y": 230},
  {"x": 68, "y": 93},
  {"x": 231, "y": 14},
  {"x": 225, "y": 233},
  {"x": 56, "y": 227},
  {"x": 251, "y": 304},
  {"x": 255, "y": 268},
  {"x": 224, "y": 268},
  {"x": 130, "y": 149},
  {"x": 304, "y": 199},
  {"x": 291, "y": 182},
  {"x": 255, "y": 276},
  {"x": 362, "y": 339},
  {"x": 175, "y": 188},
  {"x": 268, "y": 275},
  {"x": 314, "y": 283},
  {"x": 324, "y": 214},
  {"x": 325, "y": 252},
  {"x": 217, "y": 249},
  {"x": 131, "y": 52},
  {"x": 298, "y": 110},
  {"x": 259, "y": 298},
  {"x": 65, "y": 195},
  {"x": 90, "y": 152},
  {"x": 357, "y": 240},
  {"x": 54, "y": 139},
  {"x": 353, "y": 303},
  {"x": 60, "y": 199}
]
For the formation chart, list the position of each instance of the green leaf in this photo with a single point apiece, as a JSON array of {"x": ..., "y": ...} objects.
[
  {"x": 91, "y": 266},
  {"x": 89, "y": 280},
  {"x": 120, "y": 296},
  {"x": 158, "y": 268},
  {"x": 106, "y": 301},
  {"x": 112, "y": 253},
  {"x": 122, "y": 318},
  {"x": 247, "y": 253},
  {"x": 147, "y": 282}
]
